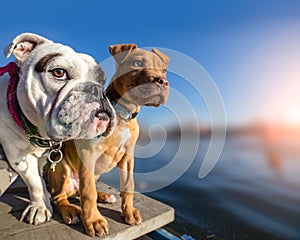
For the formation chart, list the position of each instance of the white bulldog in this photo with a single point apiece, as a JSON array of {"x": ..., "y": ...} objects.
[{"x": 54, "y": 95}]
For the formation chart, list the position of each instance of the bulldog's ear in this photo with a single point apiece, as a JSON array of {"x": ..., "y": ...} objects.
[
  {"x": 23, "y": 44},
  {"x": 121, "y": 51},
  {"x": 162, "y": 56}
]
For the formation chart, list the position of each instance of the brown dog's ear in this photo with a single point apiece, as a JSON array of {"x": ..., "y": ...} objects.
[
  {"x": 23, "y": 44},
  {"x": 162, "y": 56},
  {"x": 116, "y": 49},
  {"x": 121, "y": 51}
]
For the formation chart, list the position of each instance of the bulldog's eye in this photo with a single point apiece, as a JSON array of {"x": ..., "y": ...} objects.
[
  {"x": 59, "y": 74},
  {"x": 164, "y": 70},
  {"x": 138, "y": 63}
]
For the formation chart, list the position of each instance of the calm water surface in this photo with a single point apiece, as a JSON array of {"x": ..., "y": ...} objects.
[{"x": 252, "y": 193}]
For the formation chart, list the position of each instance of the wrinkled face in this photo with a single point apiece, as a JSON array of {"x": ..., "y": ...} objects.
[
  {"x": 61, "y": 92},
  {"x": 142, "y": 78}
]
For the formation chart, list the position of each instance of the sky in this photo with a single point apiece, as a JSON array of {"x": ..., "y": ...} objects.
[{"x": 249, "y": 50}]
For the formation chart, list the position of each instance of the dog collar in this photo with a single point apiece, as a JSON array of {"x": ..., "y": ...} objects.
[
  {"x": 121, "y": 111},
  {"x": 11, "y": 98},
  {"x": 15, "y": 111}
]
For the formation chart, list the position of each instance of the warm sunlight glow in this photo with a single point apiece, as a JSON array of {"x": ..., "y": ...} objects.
[{"x": 293, "y": 117}]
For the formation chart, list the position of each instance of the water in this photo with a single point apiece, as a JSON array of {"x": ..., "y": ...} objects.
[{"x": 250, "y": 194}]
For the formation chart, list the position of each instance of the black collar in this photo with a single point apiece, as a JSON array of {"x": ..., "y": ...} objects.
[{"x": 121, "y": 110}]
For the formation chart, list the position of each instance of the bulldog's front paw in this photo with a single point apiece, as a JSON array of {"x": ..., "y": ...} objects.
[
  {"x": 37, "y": 213},
  {"x": 132, "y": 217},
  {"x": 98, "y": 227}
]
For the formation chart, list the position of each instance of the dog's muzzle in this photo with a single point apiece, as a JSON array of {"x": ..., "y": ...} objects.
[
  {"x": 106, "y": 113},
  {"x": 84, "y": 113},
  {"x": 95, "y": 90}
]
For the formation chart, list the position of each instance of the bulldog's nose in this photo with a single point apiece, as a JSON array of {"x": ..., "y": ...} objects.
[
  {"x": 96, "y": 91},
  {"x": 161, "y": 81}
]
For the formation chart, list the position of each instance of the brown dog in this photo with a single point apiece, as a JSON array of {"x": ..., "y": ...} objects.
[{"x": 140, "y": 80}]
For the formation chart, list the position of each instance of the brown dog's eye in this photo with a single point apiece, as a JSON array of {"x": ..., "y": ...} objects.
[
  {"x": 138, "y": 63},
  {"x": 59, "y": 74},
  {"x": 164, "y": 70}
]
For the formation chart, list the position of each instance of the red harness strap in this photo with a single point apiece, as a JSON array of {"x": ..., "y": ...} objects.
[{"x": 11, "y": 95}]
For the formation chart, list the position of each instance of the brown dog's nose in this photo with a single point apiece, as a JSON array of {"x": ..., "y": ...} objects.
[{"x": 161, "y": 81}]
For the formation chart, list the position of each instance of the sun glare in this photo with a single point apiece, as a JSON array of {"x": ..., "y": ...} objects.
[{"x": 293, "y": 117}]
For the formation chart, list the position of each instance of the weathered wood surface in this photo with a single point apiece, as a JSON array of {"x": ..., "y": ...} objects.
[{"x": 155, "y": 215}]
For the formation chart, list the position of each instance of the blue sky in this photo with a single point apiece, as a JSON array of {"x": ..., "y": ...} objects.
[{"x": 251, "y": 49}]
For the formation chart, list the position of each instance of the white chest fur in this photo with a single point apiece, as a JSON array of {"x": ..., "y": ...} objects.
[{"x": 124, "y": 133}]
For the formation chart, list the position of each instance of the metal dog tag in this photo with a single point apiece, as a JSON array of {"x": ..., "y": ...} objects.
[{"x": 52, "y": 160}]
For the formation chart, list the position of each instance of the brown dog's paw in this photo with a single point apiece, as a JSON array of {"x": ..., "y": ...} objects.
[
  {"x": 105, "y": 198},
  {"x": 70, "y": 213},
  {"x": 132, "y": 217},
  {"x": 98, "y": 227}
]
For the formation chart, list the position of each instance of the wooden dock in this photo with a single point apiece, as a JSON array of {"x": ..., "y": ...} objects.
[{"x": 155, "y": 215}]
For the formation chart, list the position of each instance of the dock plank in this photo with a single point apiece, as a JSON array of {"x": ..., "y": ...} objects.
[{"x": 155, "y": 215}]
